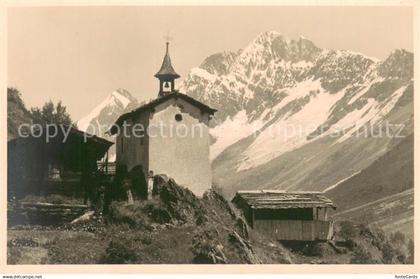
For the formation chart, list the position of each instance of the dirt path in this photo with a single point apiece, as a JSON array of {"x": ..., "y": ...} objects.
[{"x": 393, "y": 197}]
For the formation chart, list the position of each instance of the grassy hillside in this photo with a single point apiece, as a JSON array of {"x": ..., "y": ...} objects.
[
  {"x": 392, "y": 213},
  {"x": 390, "y": 174},
  {"x": 179, "y": 228},
  {"x": 383, "y": 192}
]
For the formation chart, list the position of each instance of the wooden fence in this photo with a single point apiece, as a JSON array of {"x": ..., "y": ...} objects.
[
  {"x": 303, "y": 230},
  {"x": 106, "y": 167},
  {"x": 47, "y": 213}
]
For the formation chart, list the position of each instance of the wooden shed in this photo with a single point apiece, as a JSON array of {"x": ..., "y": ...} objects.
[
  {"x": 294, "y": 216},
  {"x": 60, "y": 165}
]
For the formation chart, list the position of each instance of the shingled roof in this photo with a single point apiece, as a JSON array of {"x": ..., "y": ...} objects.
[
  {"x": 272, "y": 199},
  {"x": 166, "y": 70},
  {"x": 151, "y": 105}
]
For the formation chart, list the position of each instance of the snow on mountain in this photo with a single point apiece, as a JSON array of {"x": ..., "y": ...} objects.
[
  {"x": 232, "y": 130},
  {"x": 289, "y": 112},
  {"x": 291, "y": 130},
  {"x": 325, "y": 96},
  {"x": 100, "y": 119},
  {"x": 103, "y": 115}
]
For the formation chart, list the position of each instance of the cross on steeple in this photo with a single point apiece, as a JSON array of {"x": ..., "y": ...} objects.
[{"x": 167, "y": 38}]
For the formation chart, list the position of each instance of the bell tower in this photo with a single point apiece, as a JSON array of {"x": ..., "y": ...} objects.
[{"x": 166, "y": 75}]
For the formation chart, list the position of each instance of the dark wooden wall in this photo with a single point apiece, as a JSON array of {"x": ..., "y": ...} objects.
[
  {"x": 295, "y": 229},
  {"x": 284, "y": 214}
]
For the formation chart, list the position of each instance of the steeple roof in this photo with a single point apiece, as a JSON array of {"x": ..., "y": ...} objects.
[{"x": 166, "y": 70}]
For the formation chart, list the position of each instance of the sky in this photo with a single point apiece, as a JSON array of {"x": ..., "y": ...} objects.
[{"x": 80, "y": 55}]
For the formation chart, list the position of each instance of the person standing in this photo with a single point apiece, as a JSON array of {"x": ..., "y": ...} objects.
[
  {"x": 127, "y": 188},
  {"x": 150, "y": 185}
]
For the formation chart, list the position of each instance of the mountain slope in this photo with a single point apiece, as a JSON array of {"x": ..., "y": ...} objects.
[
  {"x": 390, "y": 174},
  {"x": 295, "y": 116},
  {"x": 382, "y": 193}
]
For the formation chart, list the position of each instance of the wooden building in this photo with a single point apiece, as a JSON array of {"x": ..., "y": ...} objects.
[
  {"x": 294, "y": 216},
  {"x": 169, "y": 135},
  {"x": 63, "y": 164}
]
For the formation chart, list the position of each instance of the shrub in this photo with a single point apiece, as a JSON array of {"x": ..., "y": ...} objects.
[
  {"x": 126, "y": 244},
  {"x": 13, "y": 255},
  {"x": 398, "y": 238},
  {"x": 119, "y": 251},
  {"x": 314, "y": 249},
  {"x": 389, "y": 253},
  {"x": 207, "y": 249},
  {"x": 348, "y": 230},
  {"x": 350, "y": 243},
  {"x": 410, "y": 246},
  {"x": 362, "y": 256},
  {"x": 133, "y": 215},
  {"x": 396, "y": 249},
  {"x": 157, "y": 212}
]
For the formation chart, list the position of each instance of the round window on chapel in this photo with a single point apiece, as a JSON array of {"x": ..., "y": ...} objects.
[{"x": 178, "y": 117}]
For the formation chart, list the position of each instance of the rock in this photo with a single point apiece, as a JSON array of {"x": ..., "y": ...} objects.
[
  {"x": 245, "y": 247},
  {"x": 158, "y": 181},
  {"x": 159, "y": 215},
  {"x": 218, "y": 199},
  {"x": 207, "y": 249},
  {"x": 242, "y": 227},
  {"x": 180, "y": 202},
  {"x": 84, "y": 218}
]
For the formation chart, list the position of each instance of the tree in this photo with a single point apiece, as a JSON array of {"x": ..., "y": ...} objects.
[
  {"x": 13, "y": 95},
  {"x": 17, "y": 114},
  {"x": 51, "y": 114}
]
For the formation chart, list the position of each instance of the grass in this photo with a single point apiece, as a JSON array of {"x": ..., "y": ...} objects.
[{"x": 37, "y": 246}]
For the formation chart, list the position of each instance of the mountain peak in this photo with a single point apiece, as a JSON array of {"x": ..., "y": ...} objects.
[
  {"x": 122, "y": 92},
  {"x": 123, "y": 96},
  {"x": 107, "y": 111},
  {"x": 399, "y": 64},
  {"x": 219, "y": 63},
  {"x": 267, "y": 36},
  {"x": 400, "y": 55}
]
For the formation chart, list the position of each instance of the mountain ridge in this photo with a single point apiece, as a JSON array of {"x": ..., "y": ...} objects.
[{"x": 276, "y": 82}]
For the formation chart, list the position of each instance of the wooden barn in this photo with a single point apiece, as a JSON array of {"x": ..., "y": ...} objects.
[
  {"x": 291, "y": 216},
  {"x": 63, "y": 164}
]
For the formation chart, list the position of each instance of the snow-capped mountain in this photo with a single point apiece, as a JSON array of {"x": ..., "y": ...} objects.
[
  {"x": 295, "y": 116},
  {"x": 103, "y": 115},
  {"x": 100, "y": 119},
  {"x": 289, "y": 111}
]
